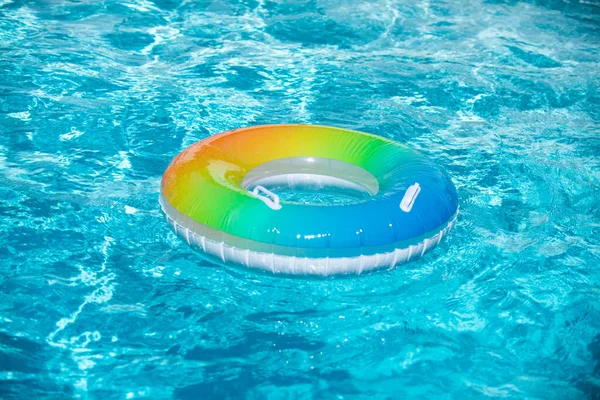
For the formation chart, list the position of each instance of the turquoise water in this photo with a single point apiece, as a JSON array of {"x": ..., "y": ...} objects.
[{"x": 99, "y": 299}]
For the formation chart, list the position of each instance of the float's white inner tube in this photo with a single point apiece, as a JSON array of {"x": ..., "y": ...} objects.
[{"x": 298, "y": 172}]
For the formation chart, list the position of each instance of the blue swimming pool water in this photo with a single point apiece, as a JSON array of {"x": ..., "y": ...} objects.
[{"x": 99, "y": 299}]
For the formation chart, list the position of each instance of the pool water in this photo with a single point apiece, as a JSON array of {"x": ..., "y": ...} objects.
[{"x": 100, "y": 300}]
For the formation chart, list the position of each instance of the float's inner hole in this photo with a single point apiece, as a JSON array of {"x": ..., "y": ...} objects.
[{"x": 313, "y": 180}]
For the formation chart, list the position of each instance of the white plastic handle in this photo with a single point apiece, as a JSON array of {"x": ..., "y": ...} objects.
[
  {"x": 409, "y": 197},
  {"x": 272, "y": 203}
]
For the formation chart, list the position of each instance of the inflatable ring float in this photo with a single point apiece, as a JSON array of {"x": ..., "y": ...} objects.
[{"x": 218, "y": 196}]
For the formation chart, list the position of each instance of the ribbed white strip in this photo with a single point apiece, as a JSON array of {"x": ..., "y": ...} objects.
[{"x": 309, "y": 266}]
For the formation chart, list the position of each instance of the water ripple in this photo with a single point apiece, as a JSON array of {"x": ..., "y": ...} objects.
[{"x": 101, "y": 300}]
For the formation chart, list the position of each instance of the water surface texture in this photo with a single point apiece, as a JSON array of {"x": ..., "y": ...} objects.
[{"x": 100, "y": 300}]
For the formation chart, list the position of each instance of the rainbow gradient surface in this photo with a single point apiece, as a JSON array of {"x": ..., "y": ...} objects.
[{"x": 204, "y": 183}]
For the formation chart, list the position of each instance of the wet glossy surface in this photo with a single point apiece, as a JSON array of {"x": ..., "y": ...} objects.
[{"x": 205, "y": 184}]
